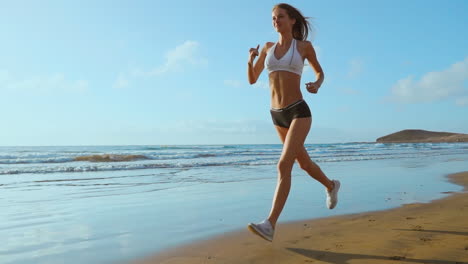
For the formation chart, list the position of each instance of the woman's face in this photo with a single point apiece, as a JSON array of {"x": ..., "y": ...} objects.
[{"x": 281, "y": 20}]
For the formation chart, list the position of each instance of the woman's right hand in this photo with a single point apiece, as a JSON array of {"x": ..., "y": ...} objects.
[{"x": 253, "y": 53}]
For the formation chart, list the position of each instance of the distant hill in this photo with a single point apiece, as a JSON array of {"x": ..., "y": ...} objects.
[{"x": 415, "y": 135}]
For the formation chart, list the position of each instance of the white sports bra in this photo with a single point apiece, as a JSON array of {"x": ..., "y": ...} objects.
[{"x": 291, "y": 61}]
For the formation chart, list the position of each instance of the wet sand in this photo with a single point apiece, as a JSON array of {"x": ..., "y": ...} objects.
[{"x": 433, "y": 233}]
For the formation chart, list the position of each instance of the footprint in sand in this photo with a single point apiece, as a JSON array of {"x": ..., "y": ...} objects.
[
  {"x": 293, "y": 241},
  {"x": 410, "y": 218},
  {"x": 417, "y": 228},
  {"x": 339, "y": 246},
  {"x": 425, "y": 239}
]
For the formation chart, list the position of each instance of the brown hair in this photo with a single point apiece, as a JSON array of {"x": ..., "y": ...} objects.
[{"x": 302, "y": 26}]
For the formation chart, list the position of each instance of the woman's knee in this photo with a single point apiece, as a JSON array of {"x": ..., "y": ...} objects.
[
  {"x": 284, "y": 166},
  {"x": 308, "y": 165},
  {"x": 304, "y": 165}
]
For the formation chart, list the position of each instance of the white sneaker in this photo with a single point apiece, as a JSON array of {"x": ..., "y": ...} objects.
[
  {"x": 332, "y": 196},
  {"x": 263, "y": 229}
]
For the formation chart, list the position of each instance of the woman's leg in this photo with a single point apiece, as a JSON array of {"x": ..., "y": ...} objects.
[
  {"x": 293, "y": 142},
  {"x": 306, "y": 163}
]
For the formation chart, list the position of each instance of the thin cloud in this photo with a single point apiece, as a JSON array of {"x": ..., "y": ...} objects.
[
  {"x": 217, "y": 126},
  {"x": 344, "y": 109},
  {"x": 262, "y": 85},
  {"x": 4, "y": 77},
  {"x": 121, "y": 82},
  {"x": 233, "y": 83},
  {"x": 177, "y": 60},
  {"x": 350, "y": 91},
  {"x": 356, "y": 68},
  {"x": 462, "y": 101},
  {"x": 47, "y": 83},
  {"x": 433, "y": 86}
]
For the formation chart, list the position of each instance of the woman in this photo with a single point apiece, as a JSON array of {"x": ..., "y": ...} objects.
[{"x": 291, "y": 116}]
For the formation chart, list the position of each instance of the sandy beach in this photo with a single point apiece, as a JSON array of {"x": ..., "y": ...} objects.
[{"x": 435, "y": 233}]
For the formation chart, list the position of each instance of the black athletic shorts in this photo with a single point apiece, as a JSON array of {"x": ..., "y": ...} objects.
[{"x": 284, "y": 116}]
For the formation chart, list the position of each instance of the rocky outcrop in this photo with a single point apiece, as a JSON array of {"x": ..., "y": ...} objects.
[{"x": 416, "y": 135}]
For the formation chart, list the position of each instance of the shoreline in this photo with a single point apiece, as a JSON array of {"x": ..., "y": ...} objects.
[{"x": 434, "y": 232}]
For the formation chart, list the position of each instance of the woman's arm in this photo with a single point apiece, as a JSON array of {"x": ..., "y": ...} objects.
[
  {"x": 254, "y": 70},
  {"x": 311, "y": 57}
]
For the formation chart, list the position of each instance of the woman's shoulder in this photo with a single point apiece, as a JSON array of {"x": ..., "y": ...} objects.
[
  {"x": 267, "y": 46},
  {"x": 304, "y": 47},
  {"x": 304, "y": 43}
]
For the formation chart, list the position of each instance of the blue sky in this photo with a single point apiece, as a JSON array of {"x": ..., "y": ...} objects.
[{"x": 174, "y": 72}]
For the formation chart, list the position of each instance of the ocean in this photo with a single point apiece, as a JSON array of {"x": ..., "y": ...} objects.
[{"x": 112, "y": 204}]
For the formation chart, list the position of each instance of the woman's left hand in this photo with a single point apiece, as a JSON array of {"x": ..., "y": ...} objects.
[{"x": 312, "y": 87}]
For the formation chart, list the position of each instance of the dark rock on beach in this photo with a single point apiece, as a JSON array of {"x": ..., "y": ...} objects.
[
  {"x": 110, "y": 158},
  {"x": 416, "y": 136}
]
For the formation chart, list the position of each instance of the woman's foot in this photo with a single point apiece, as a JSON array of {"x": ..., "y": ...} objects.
[
  {"x": 332, "y": 195},
  {"x": 264, "y": 230}
]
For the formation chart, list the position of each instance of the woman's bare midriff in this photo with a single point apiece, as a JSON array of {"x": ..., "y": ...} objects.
[{"x": 285, "y": 88}]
